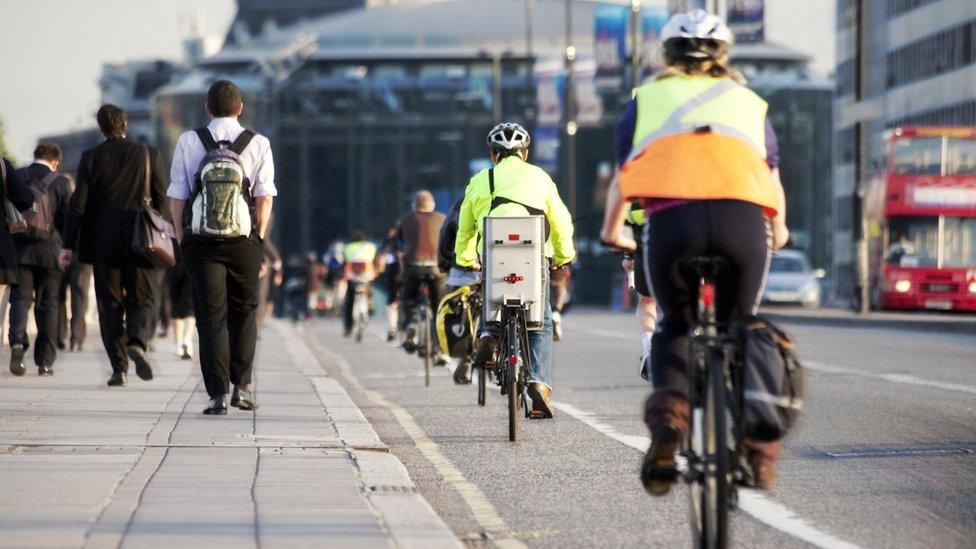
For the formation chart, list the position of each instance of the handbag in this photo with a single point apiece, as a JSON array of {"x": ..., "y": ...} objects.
[
  {"x": 773, "y": 380},
  {"x": 152, "y": 238},
  {"x": 15, "y": 220}
]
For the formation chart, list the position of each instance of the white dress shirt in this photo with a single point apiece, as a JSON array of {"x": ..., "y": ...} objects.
[{"x": 256, "y": 158}]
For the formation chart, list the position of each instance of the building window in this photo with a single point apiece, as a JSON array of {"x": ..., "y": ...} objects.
[
  {"x": 933, "y": 55},
  {"x": 846, "y": 77},
  {"x": 846, "y": 13},
  {"x": 898, "y": 7},
  {"x": 846, "y": 145},
  {"x": 959, "y": 114}
]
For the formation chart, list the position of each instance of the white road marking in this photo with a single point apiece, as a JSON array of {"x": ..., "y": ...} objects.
[
  {"x": 759, "y": 506},
  {"x": 905, "y": 379}
]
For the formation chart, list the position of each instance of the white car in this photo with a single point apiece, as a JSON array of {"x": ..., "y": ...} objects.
[{"x": 791, "y": 280}]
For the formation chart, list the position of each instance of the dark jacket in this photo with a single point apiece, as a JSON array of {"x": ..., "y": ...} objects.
[
  {"x": 445, "y": 246},
  {"x": 109, "y": 191},
  {"x": 22, "y": 198},
  {"x": 45, "y": 254}
]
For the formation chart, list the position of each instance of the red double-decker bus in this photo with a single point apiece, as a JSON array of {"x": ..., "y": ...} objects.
[{"x": 922, "y": 221}]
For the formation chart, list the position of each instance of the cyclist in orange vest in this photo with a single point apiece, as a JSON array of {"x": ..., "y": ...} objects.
[{"x": 696, "y": 148}]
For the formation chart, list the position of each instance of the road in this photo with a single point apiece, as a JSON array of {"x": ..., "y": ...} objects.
[{"x": 885, "y": 456}]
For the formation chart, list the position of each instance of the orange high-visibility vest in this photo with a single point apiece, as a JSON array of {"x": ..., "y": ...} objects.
[{"x": 699, "y": 138}]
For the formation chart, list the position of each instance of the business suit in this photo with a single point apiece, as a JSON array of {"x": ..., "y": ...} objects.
[
  {"x": 99, "y": 226},
  {"x": 40, "y": 277}
]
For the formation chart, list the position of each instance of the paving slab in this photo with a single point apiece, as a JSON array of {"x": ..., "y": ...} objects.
[{"x": 85, "y": 465}]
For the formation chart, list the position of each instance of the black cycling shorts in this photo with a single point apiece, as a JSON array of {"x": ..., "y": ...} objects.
[{"x": 641, "y": 283}]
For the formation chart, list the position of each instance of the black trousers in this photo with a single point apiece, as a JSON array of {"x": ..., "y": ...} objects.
[
  {"x": 77, "y": 280},
  {"x": 736, "y": 230},
  {"x": 125, "y": 295},
  {"x": 412, "y": 278},
  {"x": 224, "y": 275},
  {"x": 38, "y": 285}
]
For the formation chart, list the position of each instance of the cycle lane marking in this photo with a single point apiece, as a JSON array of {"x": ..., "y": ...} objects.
[
  {"x": 481, "y": 509},
  {"x": 760, "y": 507}
]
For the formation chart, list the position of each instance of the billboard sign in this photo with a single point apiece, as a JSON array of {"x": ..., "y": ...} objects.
[
  {"x": 746, "y": 18},
  {"x": 680, "y": 6},
  {"x": 610, "y": 45}
]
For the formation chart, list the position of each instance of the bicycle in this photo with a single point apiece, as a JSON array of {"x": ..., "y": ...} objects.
[
  {"x": 360, "y": 308},
  {"x": 425, "y": 346},
  {"x": 712, "y": 447}
]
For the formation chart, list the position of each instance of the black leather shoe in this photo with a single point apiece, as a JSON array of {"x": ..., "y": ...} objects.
[
  {"x": 60, "y": 345},
  {"x": 244, "y": 399},
  {"x": 143, "y": 368},
  {"x": 217, "y": 406},
  {"x": 45, "y": 371},
  {"x": 17, "y": 366},
  {"x": 117, "y": 380}
]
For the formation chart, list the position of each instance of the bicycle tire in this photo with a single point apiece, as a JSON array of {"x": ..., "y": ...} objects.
[
  {"x": 482, "y": 385},
  {"x": 710, "y": 531},
  {"x": 423, "y": 336},
  {"x": 512, "y": 381}
]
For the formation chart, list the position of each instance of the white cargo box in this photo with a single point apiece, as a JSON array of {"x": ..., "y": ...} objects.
[{"x": 515, "y": 266}]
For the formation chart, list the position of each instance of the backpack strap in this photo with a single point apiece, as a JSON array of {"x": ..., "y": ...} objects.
[
  {"x": 242, "y": 141},
  {"x": 491, "y": 182},
  {"x": 49, "y": 179},
  {"x": 207, "y": 139}
]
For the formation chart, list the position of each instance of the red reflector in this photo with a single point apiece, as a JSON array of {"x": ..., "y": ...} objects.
[
  {"x": 512, "y": 360},
  {"x": 708, "y": 295},
  {"x": 514, "y": 238}
]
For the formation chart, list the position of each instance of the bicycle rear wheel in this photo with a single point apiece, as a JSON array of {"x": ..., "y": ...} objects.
[
  {"x": 423, "y": 337},
  {"x": 711, "y": 494},
  {"x": 482, "y": 384}
]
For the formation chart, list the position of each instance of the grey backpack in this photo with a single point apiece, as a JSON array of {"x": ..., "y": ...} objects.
[{"x": 220, "y": 204}]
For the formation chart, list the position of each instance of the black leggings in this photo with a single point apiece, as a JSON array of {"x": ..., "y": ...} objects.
[{"x": 733, "y": 229}]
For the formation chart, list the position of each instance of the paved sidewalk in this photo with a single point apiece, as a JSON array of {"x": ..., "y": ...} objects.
[
  {"x": 85, "y": 465},
  {"x": 926, "y": 321}
]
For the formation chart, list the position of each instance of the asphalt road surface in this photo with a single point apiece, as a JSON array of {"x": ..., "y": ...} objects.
[{"x": 885, "y": 455}]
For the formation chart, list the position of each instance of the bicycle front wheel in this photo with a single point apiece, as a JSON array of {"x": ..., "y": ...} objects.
[{"x": 712, "y": 493}]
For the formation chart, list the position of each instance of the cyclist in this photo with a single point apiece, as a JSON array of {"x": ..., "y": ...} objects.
[
  {"x": 389, "y": 263},
  {"x": 359, "y": 268},
  {"x": 646, "y": 312},
  {"x": 519, "y": 189},
  {"x": 698, "y": 150},
  {"x": 418, "y": 232},
  {"x": 457, "y": 276}
]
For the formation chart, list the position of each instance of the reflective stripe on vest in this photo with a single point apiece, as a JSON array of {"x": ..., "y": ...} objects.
[{"x": 360, "y": 252}]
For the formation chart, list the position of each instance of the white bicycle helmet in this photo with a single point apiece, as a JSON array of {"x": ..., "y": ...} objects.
[
  {"x": 508, "y": 136},
  {"x": 696, "y": 34}
]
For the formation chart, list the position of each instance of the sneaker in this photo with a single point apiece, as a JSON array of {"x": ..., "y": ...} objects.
[
  {"x": 17, "y": 366},
  {"x": 410, "y": 341},
  {"x": 659, "y": 469},
  {"x": 539, "y": 393},
  {"x": 440, "y": 360},
  {"x": 557, "y": 326},
  {"x": 462, "y": 374},
  {"x": 485, "y": 351},
  {"x": 645, "y": 367}
]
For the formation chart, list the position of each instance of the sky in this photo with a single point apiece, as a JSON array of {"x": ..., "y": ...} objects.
[{"x": 52, "y": 57}]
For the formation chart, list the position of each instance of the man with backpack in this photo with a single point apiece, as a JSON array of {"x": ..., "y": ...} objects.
[
  {"x": 222, "y": 186},
  {"x": 113, "y": 179},
  {"x": 37, "y": 251}
]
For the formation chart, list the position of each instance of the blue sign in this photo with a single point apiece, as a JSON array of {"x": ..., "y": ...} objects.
[
  {"x": 545, "y": 148},
  {"x": 610, "y": 44},
  {"x": 653, "y": 20},
  {"x": 747, "y": 21}
]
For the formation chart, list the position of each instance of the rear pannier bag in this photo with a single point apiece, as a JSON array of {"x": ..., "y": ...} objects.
[
  {"x": 773, "y": 381},
  {"x": 456, "y": 323}
]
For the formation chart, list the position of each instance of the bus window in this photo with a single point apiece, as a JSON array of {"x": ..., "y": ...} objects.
[
  {"x": 913, "y": 241},
  {"x": 917, "y": 155},
  {"x": 960, "y": 242},
  {"x": 962, "y": 155}
]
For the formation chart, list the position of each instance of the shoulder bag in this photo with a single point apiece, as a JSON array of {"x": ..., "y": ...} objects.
[{"x": 153, "y": 236}]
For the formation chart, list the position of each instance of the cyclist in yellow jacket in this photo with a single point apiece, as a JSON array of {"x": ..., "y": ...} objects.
[
  {"x": 516, "y": 188},
  {"x": 700, "y": 155}
]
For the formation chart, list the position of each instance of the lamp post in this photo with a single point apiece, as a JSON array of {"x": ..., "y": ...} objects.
[{"x": 570, "y": 113}]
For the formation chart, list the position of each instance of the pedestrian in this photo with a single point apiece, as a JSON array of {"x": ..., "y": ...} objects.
[
  {"x": 17, "y": 193},
  {"x": 101, "y": 220},
  {"x": 76, "y": 285},
  {"x": 180, "y": 308},
  {"x": 221, "y": 240},
  {"x": 37, "y": 252}
]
